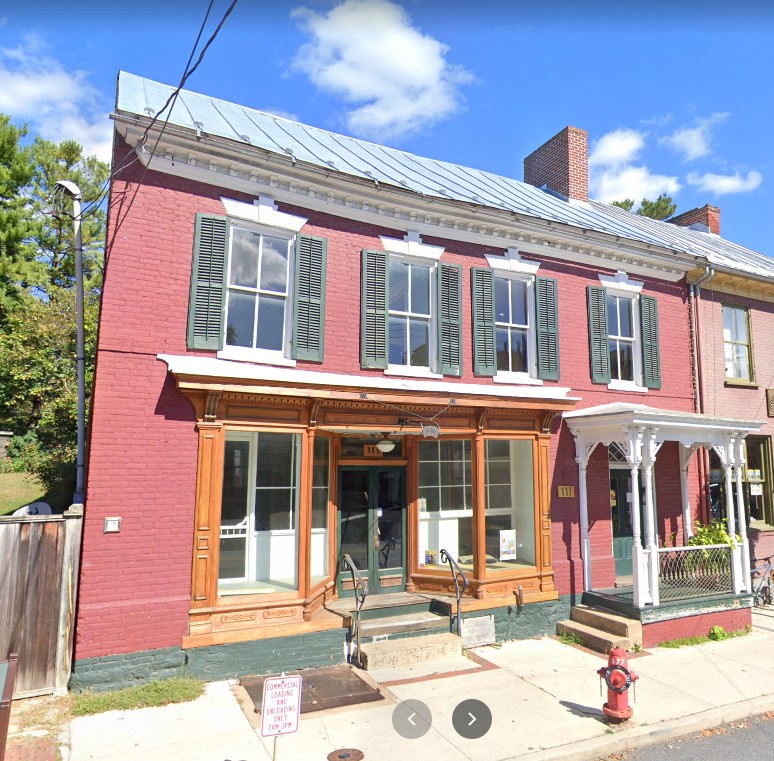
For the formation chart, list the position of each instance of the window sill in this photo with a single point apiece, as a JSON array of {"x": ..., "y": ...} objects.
[
  {"x": 743, "y": 382},
  {"x": 256, "y": 356},
  {"x": 617, "y": 385},
  {"x": 412, "y": 372},
  {"x": 517, "y": 379}
]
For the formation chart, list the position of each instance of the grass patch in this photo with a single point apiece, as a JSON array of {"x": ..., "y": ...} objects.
[
  {"x": 570, "y": 639},
  {"x": 716, "y": 634},
  {"x": 159, "y": 692},
  {"x": 17, "y": 490}
]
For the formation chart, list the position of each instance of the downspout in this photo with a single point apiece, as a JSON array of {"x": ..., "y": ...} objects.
[{"x": 694, "y": 294}]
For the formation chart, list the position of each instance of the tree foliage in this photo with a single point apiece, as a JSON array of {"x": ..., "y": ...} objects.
[
  {"x": 662, "y": 208},
  {"x": 38, "y": 371}
]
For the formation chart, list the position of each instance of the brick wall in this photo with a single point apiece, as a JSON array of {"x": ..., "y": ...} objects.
[
  {"x": 694, "y": 626},
  {"x": 135, "y": 585}
]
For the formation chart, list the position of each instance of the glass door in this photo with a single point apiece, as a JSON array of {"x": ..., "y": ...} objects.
[{"x": 372, "y": 525}]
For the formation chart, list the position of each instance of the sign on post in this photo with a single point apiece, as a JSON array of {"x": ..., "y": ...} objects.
[{"x": 281, "y": 705}]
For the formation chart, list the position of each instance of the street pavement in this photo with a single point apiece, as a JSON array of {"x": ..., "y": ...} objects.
[{"x": 544, "y": 698}]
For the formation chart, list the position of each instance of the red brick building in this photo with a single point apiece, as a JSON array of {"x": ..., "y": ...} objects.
[{"x": 313, "y": 347}]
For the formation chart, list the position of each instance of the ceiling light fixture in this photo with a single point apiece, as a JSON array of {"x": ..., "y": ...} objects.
[{"x": 384, "y": 445}]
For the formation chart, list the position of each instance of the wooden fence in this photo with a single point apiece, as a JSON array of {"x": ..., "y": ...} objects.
[{"x": 39, "y": 560}]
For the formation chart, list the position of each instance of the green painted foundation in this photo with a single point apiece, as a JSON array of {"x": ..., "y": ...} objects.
[
  {"x": 267, "y": 656},
  {"x": 263, "y": 656}
]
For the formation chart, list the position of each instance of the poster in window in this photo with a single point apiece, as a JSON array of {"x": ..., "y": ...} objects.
[
  {"x": 756, "y": 490},
  {"x": 508, "y": 544},
  {"x": 430, "y": 557}
]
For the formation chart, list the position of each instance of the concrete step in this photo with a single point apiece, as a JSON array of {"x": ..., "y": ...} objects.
[
  {"x": 409, "y": 650},
  {"x": 594, "y": 639},
  {"x": 608, "y": 621},
  {"x": 404, "y": 624}
]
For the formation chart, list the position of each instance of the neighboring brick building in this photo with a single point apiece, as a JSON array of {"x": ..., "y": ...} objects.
[{"x": 312, "y": 346}]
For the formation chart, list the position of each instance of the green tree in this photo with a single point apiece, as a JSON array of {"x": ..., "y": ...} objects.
[
  {"x": 17, "y": 225},
  {"x": 662, "y": 208},
  {"x": 37, "y": 299}
]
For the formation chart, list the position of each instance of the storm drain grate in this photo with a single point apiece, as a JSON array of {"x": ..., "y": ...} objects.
[{"x": 324, "y": 688}]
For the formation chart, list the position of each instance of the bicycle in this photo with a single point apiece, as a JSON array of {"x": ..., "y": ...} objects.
[{"x": 762, "y": 580}]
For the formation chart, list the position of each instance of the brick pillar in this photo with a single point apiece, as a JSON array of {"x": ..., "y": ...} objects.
[
  {"x": 707, "y": 217},
  {"x": 562, "y": 164}
]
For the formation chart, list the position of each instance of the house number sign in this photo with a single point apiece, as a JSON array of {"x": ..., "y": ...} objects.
[{"x": 566, "y": 491}]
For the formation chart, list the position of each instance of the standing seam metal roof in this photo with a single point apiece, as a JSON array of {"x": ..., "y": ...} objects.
[{"x": 429, "y": 177}]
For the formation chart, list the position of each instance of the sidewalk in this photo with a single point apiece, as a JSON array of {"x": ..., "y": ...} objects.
[{"x": 543, "y": 695}]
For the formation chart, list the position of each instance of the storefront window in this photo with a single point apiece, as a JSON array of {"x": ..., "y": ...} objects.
[
  {"x": 320, "y": 496},
  {"x": 259, "y": 513},
  {"x": 509, "y": 516},
  {"x": 758, "y": 481},
  {"x": 445, "y": 502}
]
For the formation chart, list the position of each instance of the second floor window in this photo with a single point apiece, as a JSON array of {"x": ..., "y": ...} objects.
[
  {"x": 410, "y": 314},
  {"x": 620, "y": 337},
  {"x": 736, "y": 343},
  {"x": 257, "y": 295},
  {"x": 512, "y": 325},
  {"x": 258, "y": 287}
]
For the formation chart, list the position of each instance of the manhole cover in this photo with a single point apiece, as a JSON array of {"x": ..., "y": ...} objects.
[{"x": 346, "y": 754}]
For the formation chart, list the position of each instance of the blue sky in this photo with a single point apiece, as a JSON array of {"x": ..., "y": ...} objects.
[{"x": 675, "y": 97}]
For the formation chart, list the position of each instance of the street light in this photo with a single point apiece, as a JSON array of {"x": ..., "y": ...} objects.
[{"x": 73, "y": 190}]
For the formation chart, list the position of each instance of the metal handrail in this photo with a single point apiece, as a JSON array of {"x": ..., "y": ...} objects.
[
  {"x": 360, "y": 588},
  {"x": 461, "y": 582}
]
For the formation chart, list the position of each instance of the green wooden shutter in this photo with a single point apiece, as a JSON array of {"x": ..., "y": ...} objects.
[
  {"x": 484, "y": 355},
  {"x": 651, "y": 363},
  {"x": 450, "y": 319},
  {"x": 600, "y": 353},
  {"x": 208, "y": 283},
  {"x": 373, "y": 306},
  {"x": 309, "y": 298},
  {"x": 547, "y": 328}
]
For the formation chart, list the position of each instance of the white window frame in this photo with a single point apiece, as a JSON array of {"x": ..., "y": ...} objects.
[
  {"x": 512, "y": 266},
  {"x": 750, "y": 377},
  {"x": 263, "y": 217},
  {"x": 412, "y": 250},
  {"x": 620, "y": 285}
]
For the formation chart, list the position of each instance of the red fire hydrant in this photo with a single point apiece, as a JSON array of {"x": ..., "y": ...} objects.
[{"x": 618, "y": 679}]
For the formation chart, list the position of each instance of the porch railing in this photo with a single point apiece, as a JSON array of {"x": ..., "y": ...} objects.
[
  {"x": 686, "y": 572},
  {"x": 461, "y": 583},
  {"x": 360, "y": 587}
]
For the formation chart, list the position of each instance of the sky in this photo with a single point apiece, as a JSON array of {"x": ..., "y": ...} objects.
[{"x": 676, "y": 97}]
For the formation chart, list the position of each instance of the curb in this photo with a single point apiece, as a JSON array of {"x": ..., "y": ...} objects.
[{"x": 639, "y": 737}]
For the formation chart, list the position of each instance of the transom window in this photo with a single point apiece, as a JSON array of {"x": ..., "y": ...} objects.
[
  {"x": 410, "y": 313},
  {"x": 258, "y": 291},
  {"x": 512, "y": 325},
  {"x": 736, "y": 343},
  {"x": 621, "y": 338}
]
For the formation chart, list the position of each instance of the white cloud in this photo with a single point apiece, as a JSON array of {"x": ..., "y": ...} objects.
[
  {"x": 616, "y": 148},
  {"x": 724, "y": 184},
  {"x": 368, "y": 53},
  {"x": 57, "y": 103},
  {"x": 694, "y": 142},
  {"x": 635, "y": 182},
  {"x": 613, "y": 176}
]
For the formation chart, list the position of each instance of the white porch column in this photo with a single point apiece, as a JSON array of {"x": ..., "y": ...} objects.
[
  {"x": 640, "y": 583},
  {"x": 649, "y": 450},
  {"x": 727, "y": 456},
  {"x": 686, "y": 453},
  {"x": 583, "y": 451},
  {"x": 741, "y": 517}
]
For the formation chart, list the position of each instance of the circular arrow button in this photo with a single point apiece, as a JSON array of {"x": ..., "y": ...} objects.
[
  {"x": 412, "y": 719},
  {"x": 472, "y": 719}
]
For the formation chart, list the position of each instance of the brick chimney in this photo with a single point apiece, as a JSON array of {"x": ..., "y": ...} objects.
[
  {"x": 706, "y": 218},
  {"x": 562, "y": 164}
]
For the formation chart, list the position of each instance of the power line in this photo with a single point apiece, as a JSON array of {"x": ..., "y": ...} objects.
[{"x": 93, "y": 207}]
